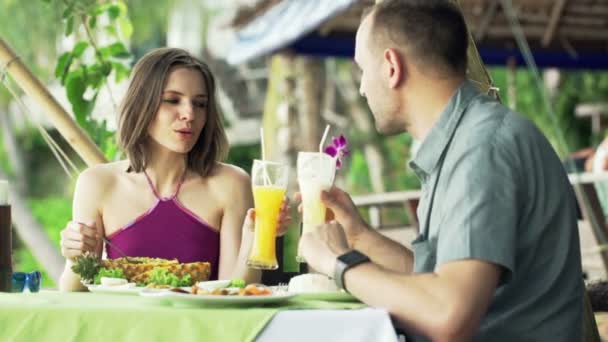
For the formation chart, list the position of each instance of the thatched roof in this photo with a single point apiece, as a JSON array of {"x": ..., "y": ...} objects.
[{"x": 571, "y": 26}]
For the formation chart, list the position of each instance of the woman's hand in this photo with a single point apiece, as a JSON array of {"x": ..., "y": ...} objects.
[
  {"x": 283, "y": 221},
  {"x": 77, "y": 238},
  {"x": 284, "y": 217}
]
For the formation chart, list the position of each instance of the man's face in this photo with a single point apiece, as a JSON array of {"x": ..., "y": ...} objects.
[{"x": 381, "y": 98}]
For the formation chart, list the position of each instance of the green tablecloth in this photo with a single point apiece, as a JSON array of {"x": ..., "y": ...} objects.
[{"x": 54, "y": 316}]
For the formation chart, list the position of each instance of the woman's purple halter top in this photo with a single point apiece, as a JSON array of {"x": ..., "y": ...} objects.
[{"x": 169, "y": 231}]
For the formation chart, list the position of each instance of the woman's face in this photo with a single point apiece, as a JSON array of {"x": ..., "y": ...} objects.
[{"x": 183, "y": 111}]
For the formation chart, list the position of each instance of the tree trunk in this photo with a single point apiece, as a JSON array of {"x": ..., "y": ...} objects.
[
  {"x": 310, "y": 91},
  {"x": 363, "y": 122},
  {"x": 280, "y": 136},
  {"x": 33, "y": 235}
]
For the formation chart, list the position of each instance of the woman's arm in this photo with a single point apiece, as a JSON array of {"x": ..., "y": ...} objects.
[
  {"x": 84, "y": 232},
  {"x": 235, "y": 237}
]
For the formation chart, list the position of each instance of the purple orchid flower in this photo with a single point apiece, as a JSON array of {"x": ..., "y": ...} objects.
[{"x": 337, "y": 149}]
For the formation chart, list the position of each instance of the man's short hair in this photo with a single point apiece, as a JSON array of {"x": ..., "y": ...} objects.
[{"x": 433, "y": 32}]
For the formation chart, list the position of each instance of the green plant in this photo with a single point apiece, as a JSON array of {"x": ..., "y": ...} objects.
[{"x": 85, "y": 69}]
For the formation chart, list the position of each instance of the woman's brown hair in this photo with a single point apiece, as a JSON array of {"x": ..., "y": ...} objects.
[{"x": 143, "y": 99}]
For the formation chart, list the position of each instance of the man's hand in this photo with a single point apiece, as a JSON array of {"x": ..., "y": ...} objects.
[
  {"x": 321, "y": 247},
  {"x": 342, "y": 209}
]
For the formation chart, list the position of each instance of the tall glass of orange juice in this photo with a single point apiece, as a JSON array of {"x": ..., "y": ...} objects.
[{"x": 269, "y": 182}]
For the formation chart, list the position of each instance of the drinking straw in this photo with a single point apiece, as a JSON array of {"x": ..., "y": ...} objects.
[
  {"x": 262, "y": 141},
  {"x": 323, "y": 139},
  {"x": 264, "y": 171}
]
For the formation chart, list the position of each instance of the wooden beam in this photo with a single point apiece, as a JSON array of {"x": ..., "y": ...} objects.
[
  {"x": 69, "y": 129},
  {"x": 536, "y": 32},
  {"x": 486, "y": 20},
  {"x": 556, "y": 13},
  {"x": 595, "y": 10}
]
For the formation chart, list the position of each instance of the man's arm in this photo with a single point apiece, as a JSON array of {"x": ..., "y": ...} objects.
[
  {"x": 382, "y": 250},
  {"x": 446, "y": 305},
  {"x": 385, "y": 252}
]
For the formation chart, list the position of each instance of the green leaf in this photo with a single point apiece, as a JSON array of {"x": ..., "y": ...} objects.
[
  {"x": 106, "y": 69},
  {"x": 121, "y": 71},
  {"x": 76, "y": 85},
  {"x": 113, "y": 11},
  {"x": 99, "y": 9},
  {"x": 93, "y": 22},
  {"x": 86, "y": 266},
  {"x": 68, "y": 12},
  {"x": 111, "y": 30},
  {"x": 63, "y": 64},
  {"x": 79, "y": 48},
  {"x": 122, "y": 7},
  {"x": 97, "y": 74},
  {"x": 109, "y": 273},
  {"x": 237, "y": 282},
  {"x": 116, "y": 50},
  {"x": 69, "y": 26},
  {"x": 126, "y": 28}
]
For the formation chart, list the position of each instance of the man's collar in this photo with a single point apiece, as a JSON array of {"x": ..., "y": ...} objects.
[{"x": 436, "y": 141}]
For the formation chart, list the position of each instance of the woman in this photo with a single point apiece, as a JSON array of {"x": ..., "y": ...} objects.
[{"x": 172, "y": 198}]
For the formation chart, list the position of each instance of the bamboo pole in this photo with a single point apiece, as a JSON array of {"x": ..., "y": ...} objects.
[{"x": 69, "y": 129}]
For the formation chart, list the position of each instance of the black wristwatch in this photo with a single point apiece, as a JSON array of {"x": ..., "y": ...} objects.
[{"x": 347, "y": 261}]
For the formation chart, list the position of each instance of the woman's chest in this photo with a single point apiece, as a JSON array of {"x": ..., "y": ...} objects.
[{"x": 126, "y": 206}]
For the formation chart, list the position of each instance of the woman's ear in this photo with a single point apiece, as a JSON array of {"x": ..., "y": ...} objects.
[{"x": 396, "y": 67}]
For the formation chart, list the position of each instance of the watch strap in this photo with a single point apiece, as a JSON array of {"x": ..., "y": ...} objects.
[{"x": 345, "y": 262}]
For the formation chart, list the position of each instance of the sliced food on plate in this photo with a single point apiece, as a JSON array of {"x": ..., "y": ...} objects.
[{"x": 144, "y": 272}]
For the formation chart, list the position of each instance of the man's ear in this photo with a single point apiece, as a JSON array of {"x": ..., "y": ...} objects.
[{"x": 395, "y": 66}]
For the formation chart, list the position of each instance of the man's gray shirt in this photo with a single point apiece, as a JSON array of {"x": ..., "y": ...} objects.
[{"x": 495, "y": 190}]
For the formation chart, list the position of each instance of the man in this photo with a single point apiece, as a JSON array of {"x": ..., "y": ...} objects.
[{"x": 498, "y": 255}]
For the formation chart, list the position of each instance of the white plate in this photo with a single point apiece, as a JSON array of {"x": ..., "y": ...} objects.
[
  {"x": 213, "y": 284},
  {"x": 204, "y": 300},
  {"x": 335, "y": 296},
  {"x": 129, "y": 289}
]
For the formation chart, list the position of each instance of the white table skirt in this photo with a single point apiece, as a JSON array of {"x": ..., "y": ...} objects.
[{"x": 330, "y": 325}]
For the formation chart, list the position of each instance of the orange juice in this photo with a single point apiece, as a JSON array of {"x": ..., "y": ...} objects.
[{"x": 268, "y": 201}]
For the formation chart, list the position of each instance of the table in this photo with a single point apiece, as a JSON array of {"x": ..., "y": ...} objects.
[
  {"x": 330, "y": 325},
  {"x": 55, "y": 316}
]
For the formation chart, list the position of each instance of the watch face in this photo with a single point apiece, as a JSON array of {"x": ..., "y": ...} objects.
[{"x": 353, "y": 257}]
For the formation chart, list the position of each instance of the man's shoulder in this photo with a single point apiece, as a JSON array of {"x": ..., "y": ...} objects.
[{"x": 490, "y": 123}]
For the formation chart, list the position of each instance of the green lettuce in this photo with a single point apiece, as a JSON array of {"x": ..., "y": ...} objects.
[
  {"x": 109, "y": 273},
  {"x": 162, "y": 276},
  {"x": 237, "y": 282}
]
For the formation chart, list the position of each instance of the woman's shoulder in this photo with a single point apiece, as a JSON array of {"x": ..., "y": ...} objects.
[
  {"x": 228, "y": 180},
  {"x": 102, "y": 175},
  {"x": 230, "y": 173}
]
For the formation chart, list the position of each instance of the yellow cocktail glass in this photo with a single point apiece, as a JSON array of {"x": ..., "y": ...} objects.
[{"x": 269, "y": 181}]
